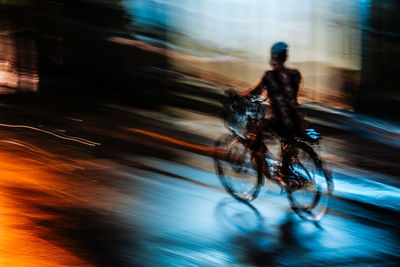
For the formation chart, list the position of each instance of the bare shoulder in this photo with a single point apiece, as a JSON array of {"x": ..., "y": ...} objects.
[
  {"x": 268, "y": 75},
  {"x": 295, "y": 73}
]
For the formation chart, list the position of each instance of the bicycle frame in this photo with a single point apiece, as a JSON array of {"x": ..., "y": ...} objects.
[{"x": 298, "y": 170}]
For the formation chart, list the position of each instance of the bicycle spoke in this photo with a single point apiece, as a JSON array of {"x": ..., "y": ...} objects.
[
  {"x": 316, "y": 199},
  {"x": 237, "y": 173},
  {"x": 310, "y": 199}
]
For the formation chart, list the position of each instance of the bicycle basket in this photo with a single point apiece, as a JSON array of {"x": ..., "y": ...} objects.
[{"x": 244, "y": 114}]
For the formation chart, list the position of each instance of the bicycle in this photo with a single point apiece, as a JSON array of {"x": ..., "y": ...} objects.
[{"x": 242, "y": 169}]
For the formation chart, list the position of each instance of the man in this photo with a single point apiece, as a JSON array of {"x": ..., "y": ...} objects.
[{"x": 282, "y": 86}]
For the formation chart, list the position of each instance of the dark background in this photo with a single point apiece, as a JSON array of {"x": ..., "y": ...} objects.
[{"x": 67, "y": 44}]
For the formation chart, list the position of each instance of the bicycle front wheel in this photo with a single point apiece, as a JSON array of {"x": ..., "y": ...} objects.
[
  {"x": 311, "y": 185},
  {"x": 237, "y": 169}
]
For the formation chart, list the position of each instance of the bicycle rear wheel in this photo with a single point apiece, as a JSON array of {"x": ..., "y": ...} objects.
[
  {"x": 237, "y": 169},
  {"x": 311, "y": 185}
]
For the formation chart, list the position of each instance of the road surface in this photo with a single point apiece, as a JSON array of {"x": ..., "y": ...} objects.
[{"x": 117, "y": 186}]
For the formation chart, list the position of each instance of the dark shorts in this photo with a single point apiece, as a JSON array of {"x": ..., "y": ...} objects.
[{"x": 271, "y": 126}]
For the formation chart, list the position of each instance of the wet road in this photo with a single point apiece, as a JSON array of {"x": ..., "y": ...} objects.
[{"x": 79, "y": 189}]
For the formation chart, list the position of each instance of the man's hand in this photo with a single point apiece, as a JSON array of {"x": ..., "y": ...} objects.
[{"x": 233, "y": 93}]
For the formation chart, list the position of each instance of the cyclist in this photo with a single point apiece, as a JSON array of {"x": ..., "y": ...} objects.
[{"x": 282, "y": 86}]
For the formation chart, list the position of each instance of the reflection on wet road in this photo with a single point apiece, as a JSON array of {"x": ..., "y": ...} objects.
[{"x": 151, "y": 198}]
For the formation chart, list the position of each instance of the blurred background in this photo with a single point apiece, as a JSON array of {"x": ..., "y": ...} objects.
[
  {"x": 346, "y": 50},
  {"x": 110, "y": 109}
]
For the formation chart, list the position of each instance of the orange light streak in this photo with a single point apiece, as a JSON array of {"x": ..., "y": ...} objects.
[
  {"x": 201, "y": 149},
  {"x": 21, "y": 239}
]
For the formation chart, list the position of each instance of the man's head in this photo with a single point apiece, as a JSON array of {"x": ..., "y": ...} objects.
[{"x": 278, "y": 55}]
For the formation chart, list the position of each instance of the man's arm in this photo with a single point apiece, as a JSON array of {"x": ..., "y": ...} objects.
[{"x": 256, "y": 90}]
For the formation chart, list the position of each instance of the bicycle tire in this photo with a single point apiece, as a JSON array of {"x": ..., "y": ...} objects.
[
  {"x": 236, "y": 174},
  {"x": 317, "y": 184}
]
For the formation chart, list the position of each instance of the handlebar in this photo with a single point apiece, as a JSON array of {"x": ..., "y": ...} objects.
[
  {"x": 255, "y": 99},
  {"x": 235, "y": 95}
]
